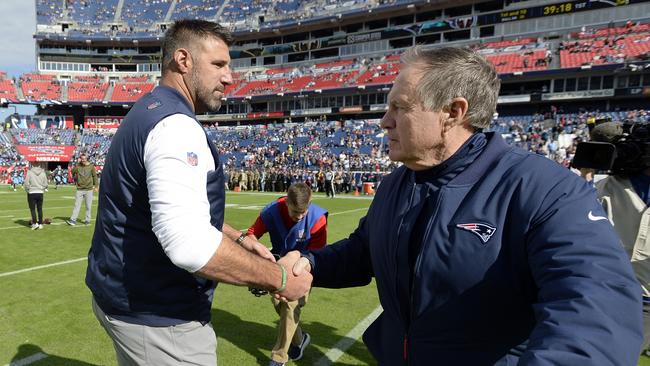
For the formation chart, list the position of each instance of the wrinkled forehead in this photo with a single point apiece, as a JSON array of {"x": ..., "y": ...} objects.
[{"x": 406, "y": 83}]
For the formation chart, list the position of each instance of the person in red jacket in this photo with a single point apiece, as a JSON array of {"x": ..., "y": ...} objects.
[{"x": 293, "y": 223}]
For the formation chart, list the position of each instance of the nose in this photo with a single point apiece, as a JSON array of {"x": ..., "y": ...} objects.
[
  {"x": 227, "y": 76},
  {"x": 387, "y": 121}
]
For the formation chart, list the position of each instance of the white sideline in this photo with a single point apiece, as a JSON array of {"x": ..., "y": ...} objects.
[
  {"x": 28, "y": 360},
  {"x": 43, "y": 266},
  {"x": 346, "y": 342}
]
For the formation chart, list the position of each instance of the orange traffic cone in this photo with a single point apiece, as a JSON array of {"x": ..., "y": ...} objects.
[{"x": 356, "y": 192}]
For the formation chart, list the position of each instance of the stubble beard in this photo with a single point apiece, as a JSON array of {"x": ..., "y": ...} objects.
[{"x": 205, "y": 99}]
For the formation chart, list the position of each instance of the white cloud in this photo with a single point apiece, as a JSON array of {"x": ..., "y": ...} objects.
[{"x": 17, "y": 44}]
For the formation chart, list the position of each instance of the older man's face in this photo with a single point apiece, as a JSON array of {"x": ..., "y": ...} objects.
[{"x": 414, "y": 135}]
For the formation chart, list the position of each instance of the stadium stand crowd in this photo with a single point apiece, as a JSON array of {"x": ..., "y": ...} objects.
[{"x": 274, "y": 156}]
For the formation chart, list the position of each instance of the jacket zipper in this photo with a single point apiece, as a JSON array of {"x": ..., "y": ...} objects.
[
  {"x": 418, "y": 262},
  {"x": 399, "y": 229}
]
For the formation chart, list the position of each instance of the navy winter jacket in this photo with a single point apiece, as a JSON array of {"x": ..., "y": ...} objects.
[{"x": 512, "y": 270}]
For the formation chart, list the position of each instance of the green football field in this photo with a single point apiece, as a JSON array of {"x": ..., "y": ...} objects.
[{"x": 45, "y": 315}]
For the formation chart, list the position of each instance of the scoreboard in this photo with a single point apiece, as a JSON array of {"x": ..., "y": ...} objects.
[{"x": 565, "y": 7}]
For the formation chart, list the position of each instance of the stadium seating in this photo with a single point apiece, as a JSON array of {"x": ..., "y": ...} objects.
[
  {"x": 609, "y": 45},
  {"x": 48, "y": 11},
  {"x": 145, "y": 12},
  {"x": 8, "y": 90},
  {"x": 50, "y": 136},
  {"x": 39, "y": 89},
  {"x": 92, "y": 13},
  {"x": 196, "y": 9},
  {"x": 87, "y": 92},
  {"x": 383, "y": 73},
  {"x": 95, "y": 144},
  {"x": 130, "y": 92}
]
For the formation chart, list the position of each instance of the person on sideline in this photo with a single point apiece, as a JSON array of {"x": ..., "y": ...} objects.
[
  {"x": 85, "y": 178},
  {"x": 482, "y": 253},
  {"x": 293, "y": 223},
  {"x": 625, "y": 196},
  {"x": 160, "y": 243},
  {"x": 35, "y": 185}
]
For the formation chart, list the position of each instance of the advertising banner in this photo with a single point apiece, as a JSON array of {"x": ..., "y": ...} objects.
[
  {"x": 42, "y": 122},
  {"x": 102, "y": 121},
  {"x": 46, "y": 153}
]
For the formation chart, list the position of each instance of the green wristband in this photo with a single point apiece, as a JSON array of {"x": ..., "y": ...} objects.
[{"x": 283, "y": 285}]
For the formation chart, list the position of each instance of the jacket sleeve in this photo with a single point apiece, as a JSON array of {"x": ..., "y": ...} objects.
[
  {"x": 345, "y": 263},
  {"x": 588, "y": 309}
]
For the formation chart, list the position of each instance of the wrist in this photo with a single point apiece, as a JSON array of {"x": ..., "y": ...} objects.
[
  {"x": 283, "y": 281},
  {"x": 240, "y": 240}
]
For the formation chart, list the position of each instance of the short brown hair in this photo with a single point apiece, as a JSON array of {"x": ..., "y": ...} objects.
[
  {"x": 185, "y": 32},
  {"x": 299, "y": 196}
]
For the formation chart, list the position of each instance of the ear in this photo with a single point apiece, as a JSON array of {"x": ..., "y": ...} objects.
[
  {"x": 455, "y": 113},
  {"x": 183, "y": 60},
  {"x": 458, "y": 110}
]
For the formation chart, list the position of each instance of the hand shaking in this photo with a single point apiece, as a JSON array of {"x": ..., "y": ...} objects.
[{"x": 297, "y": 284}]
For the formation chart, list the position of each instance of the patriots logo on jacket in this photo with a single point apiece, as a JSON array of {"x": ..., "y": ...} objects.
[{"x": 484, "y": 231}]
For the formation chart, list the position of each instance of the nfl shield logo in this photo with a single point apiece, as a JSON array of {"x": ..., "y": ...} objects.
[{"x": 192, "y": 159}]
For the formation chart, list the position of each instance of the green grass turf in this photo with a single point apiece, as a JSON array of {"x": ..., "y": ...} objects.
[{"x": 48, "y": 310}]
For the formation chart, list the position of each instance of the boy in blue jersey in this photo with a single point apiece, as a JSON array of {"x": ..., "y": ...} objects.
[{"x": 294, "y": 223}]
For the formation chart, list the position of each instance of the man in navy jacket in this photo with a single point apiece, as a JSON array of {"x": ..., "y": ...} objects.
[{"x": 483, "y": 254}]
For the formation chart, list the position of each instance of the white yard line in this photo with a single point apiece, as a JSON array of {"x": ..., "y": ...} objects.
[
  {"x": 348, "y": 340},
  {"x": 44, "y": 226},
  {"x": 348, "y": 211},
  {"x": 45, "y": 208},
  {"x": 28, "y": 360},
  {"x": 41, "y": 267}
]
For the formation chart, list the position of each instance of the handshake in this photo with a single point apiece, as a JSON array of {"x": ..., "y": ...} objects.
[{"x": 296, "y": 276}]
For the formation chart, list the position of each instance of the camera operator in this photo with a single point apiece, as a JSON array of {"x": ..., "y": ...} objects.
[{"x": 624, "y": 193}]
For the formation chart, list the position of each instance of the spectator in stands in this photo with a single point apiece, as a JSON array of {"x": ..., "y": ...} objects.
[
  {"x": 85, "y": 178},
  {"x": 35, "y": 185},
  {"x": 160, "y": 243},
  {"x": 294, "y": 223},
  {"x": 479, "y": 260}
]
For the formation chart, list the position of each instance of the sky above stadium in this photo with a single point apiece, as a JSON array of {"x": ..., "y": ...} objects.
[{"x": 17, "y": 27}]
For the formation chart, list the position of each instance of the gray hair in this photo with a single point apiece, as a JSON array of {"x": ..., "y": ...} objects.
[{"x": 450, "y": 72}]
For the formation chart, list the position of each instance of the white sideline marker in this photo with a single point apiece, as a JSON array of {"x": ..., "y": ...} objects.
[
  {"x": 43, "y": 266},
  {"x": 339, "y": 348},
  {"x": 28, "y": 360}
]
